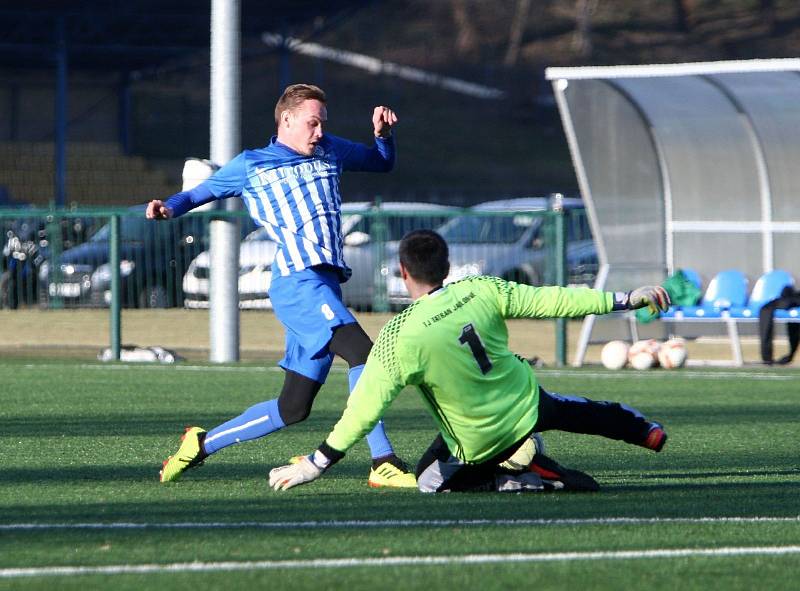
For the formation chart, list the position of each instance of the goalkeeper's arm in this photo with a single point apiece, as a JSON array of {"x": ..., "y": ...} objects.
[{"x": 525, "y": 301}]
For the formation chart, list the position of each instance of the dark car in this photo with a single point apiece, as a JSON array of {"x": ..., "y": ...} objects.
[
  {"x": 154, "y": 255},
  {"x": 26, "y": 248}
]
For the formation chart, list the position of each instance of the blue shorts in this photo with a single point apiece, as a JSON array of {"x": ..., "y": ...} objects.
[{"x": 309, "y": 305}]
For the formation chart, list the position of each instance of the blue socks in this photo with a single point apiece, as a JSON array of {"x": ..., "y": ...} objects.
[
  {"x": 257, "y": 421},
  {"x": 379, "y": 445}
]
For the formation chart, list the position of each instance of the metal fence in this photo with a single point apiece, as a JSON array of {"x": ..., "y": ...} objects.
[{"x": 116, "y": 258}]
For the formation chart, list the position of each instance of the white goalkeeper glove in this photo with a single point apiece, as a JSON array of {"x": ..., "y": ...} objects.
[
  {"x": 306, "y": 470},
  {"x": 654, "y": 297}
]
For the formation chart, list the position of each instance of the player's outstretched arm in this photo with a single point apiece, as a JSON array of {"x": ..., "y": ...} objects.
[{"x": 158, "y": 210}]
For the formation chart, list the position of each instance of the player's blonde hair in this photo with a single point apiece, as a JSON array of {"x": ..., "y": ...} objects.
[{"x": 294, "y": 95}]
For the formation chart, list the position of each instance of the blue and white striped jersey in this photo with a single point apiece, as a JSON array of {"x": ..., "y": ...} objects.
[{"x": 295, "y": 197}]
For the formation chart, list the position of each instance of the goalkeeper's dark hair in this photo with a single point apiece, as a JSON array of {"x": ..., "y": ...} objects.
[{"x": 425, "y": 256}]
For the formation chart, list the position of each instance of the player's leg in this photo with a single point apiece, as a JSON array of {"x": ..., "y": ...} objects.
[
  {"x": 528, "y": 455},
  {"x": 614, "y": 420},
  {"x": 352, "y": 344},
  {"x": 439, "y": 471},
  {"x": 309, "y": 304},
  {"x": 292, "y": 406},
  {"x": 520, "y": 468},
  {"x": 304, "y": 377}
]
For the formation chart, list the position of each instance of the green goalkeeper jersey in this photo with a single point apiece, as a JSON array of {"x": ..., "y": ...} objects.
[{"x": 453, "y": 345}]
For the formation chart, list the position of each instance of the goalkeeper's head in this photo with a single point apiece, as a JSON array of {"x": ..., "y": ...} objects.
[{"x": 424, "y": 260}]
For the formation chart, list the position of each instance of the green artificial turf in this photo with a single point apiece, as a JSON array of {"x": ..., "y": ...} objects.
[{"x": 81, "y": 446}]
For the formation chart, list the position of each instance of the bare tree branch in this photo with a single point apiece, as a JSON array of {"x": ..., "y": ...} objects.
[
  {"x": 582, "y": 40},
  {"x": 466, "y": 39},
  {"x": 684, "y": 15},
  {"x": 515, "y": 34}
]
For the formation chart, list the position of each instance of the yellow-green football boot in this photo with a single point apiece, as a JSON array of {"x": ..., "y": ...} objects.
[
  {"x": 391, "y": 473},
  {"x": 190, "y": 455}
]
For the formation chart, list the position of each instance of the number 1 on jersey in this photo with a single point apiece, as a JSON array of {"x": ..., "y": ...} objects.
[{"x": 469, "y": 336}]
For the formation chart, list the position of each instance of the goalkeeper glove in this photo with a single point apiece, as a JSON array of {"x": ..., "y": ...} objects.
[
  {"x": 308, "y": 469},
  {"x": 653, "y": 297}
]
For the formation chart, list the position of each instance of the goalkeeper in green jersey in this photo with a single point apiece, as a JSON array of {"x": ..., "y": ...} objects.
[{"x": 452, "y": 344}]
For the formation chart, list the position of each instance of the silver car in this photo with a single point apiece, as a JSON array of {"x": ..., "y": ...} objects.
[
  {"x": 370, "y": 246},
  {"x": 371, "y": 234},
  {"x": 506, "y": 239},
  {"x": 256, "y": 253}
]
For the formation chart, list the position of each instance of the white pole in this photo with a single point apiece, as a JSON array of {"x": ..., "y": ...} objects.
[{"x": 223, "y": 296}]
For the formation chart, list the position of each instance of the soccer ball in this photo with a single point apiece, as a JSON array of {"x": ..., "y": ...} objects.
[
  {"x": 643, "y": 354},
  {"x": 672, "y": 354},
  {"x": 522, "y": 458},
  {"x": 614, "y": 354}
]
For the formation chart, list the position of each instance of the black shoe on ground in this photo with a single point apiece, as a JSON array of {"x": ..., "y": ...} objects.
[{"x": 557, "y": 477}]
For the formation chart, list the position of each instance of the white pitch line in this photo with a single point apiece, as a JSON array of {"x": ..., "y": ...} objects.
[
  {"x": 156, "y": 366},
  {"x": 396, "y": 561},
  {"x": 566, "y": 373},
  {"x": 656, "y": 374},
  {"x": 396, "y": 523}
]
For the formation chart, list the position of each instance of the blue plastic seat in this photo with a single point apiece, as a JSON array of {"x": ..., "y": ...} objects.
[
  {"x": 790, "y": 314},
  {"x": 728, "y": 289},
  {"x": 768, "y": 287}
]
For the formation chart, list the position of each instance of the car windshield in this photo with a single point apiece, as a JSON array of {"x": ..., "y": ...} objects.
[{"x": 475, "y": 229}]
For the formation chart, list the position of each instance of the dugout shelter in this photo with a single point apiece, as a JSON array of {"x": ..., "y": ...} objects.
[{"x": 685, "y": 165}]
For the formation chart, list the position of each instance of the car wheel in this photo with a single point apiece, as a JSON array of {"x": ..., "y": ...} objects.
[{"x": 154, "y": 296}]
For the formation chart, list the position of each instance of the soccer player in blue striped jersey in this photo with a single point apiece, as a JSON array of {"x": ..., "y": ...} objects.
[{"x": 291, "y": 188}]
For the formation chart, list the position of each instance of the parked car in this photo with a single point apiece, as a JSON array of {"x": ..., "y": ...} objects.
[
  {"x": 153, "y": 258},
  {"x": 256, "y": 253},
  {"x": 23, "y": 254},
  {"x": 361, "y": 231},
  {"x": 514, "y": 247},
  {"x": 27, "y": 247},
  {"x": 369, "y": 249}
]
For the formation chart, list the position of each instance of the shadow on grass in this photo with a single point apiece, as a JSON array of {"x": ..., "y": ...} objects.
[
  {"x": 722, "y": 474},
  {"x": 225, "y": 471},
  {"x": 116, "y": 474},
  {"x": 121, "y": 425},
  {"x": 252, "y": 501}
]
